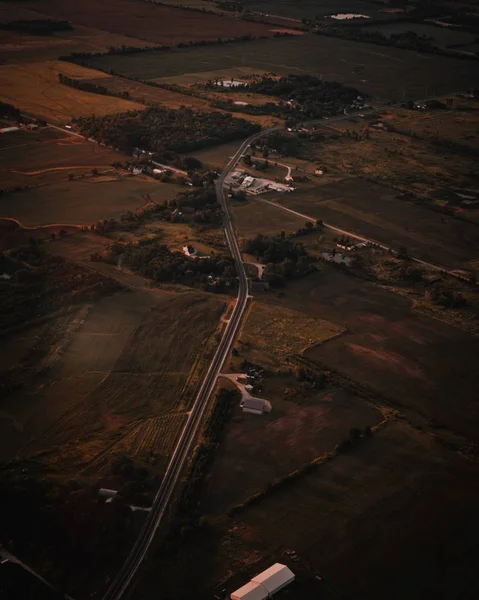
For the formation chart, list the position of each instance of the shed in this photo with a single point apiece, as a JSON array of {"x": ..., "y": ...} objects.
[
  {"x": 250, "y": 591},
  {"x": 256, "y": 406},
  {"x": 275, "y": 578}
]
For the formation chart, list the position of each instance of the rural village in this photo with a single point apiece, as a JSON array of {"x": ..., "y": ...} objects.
[{"x": 239, "y": 260}]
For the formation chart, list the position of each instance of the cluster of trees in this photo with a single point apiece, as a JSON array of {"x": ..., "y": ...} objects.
[
  {"x": 37, "y": 26},
  {"x": 309, "y": 227},
  {"x": 286, "y": 145},
  {"x": 286, "y": 259},
  {"x": 88, "y": 86},
  {"x": 156, "y": 261},
  {"x": 306, "y": 94},
  {"x": 159, "y": 129},
  {"x": 447, "y": 298}
]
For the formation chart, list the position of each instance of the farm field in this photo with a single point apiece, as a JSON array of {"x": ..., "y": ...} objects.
[
  {"x": 386, "y": 73},
  {"x": 289, "y": 437},
  {"x": 122, "y": 367},
  {"x": 459, "y": 125},
  {"x": 48, "y": 156},
  {"x": 83, "y": 202},
  {"x": 390, "y": 346},
  {"x": 34, "y": 88},
  {"x": 375, "y": 212},
  {"x": 309, "y": 8},
  {"x": 149, "y": 21},
  {"x": 254, "y": 217},
  {"x": 400, "y": 485}
]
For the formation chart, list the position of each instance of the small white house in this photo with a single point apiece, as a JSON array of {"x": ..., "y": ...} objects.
[
  {"x": 274, "y": 579},
  {"x": 255, "y": 406},
  {"x": 250, "y": 591}
]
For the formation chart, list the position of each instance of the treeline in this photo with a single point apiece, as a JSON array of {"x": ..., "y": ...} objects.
[
  {"x": 159, "y": 129},
  {"x": 407, "y": 40},
  {"x": 87, "y": 86},
  {"x": 286, "y": 258},
  {"x": 37, "y": 26},
  {"x": 78, "y": 57}
]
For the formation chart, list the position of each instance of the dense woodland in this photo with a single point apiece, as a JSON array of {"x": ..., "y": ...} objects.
[
  {"x": 9, "y": 111},
  {"x": 286, "y": 258},
  {"x": 160, "y": 129}
]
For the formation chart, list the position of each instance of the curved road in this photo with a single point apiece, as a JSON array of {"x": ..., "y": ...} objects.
[{"x": 130, "y": 567}]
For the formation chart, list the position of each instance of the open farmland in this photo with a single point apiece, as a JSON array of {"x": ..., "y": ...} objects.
[
  {"x": 391, "y": 347},
  {"x": 383, "y": 72},
  {"x": 48, "y": 155},
  {"x": 295, "y": 9},
  {"x": 149, "y": 21},
  {"x": 375, "y": 212},
  {"x": 34, "y": 88},
  {"x": 401, "y": 486},
  {"x": 83, "y": 202},
  {"x": 122, "y": 362},
  {"x": 282, "y": 441},
  {"x": 254, "y": 217}
]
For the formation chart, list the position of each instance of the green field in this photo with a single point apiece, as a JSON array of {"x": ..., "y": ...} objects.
[{"x": 381, "y": 71}]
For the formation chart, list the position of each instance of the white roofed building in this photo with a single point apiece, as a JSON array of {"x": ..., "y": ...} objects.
[
  {"x": 256, "y": 406},
  {"x": 250, "y": 591},
  {"x": 274, "y": 579}
]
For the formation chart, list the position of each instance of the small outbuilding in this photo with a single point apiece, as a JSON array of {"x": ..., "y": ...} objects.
[
  {"x": 256, "y": 406},
  {"x": 274, "y": 579},
  {"x": 250, "y": 591}
]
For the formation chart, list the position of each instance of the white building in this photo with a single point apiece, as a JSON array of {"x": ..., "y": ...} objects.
[
  {"x": 255, "y": 406},
  {"x": 250, "y": 591},
  {"x": 274, "y": 579},
  {"x": 265, "y": 584}
]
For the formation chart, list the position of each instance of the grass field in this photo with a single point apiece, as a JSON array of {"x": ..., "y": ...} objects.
[
  {"x": 375, "y": 212},
  {"x": 121, "y": 367},
  {"x": 34, "y": 88},
  {"x": 149, "y": 21},
  {"x": 47, "y": 155},
  {"x": 383, "y": 72},
  {"x": 83, "y": 202},
  {"x": 254, "y": 217},
  {"x": 398, "y": 486},
  {"x": 391, "y": 347}
]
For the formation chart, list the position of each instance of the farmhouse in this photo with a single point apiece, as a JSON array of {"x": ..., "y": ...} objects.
[{"x": 255, "y": 406}]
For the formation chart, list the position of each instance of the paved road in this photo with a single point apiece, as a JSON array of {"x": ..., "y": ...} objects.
[{"x": 129, "y": 569}]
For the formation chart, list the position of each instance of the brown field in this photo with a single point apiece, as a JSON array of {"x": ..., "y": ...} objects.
[
  {"x": 34, "y": 88},
  {"x": 392, "y": 348},
  {"x": 279, "y": 334},
  {"x": 83, "y": 202},
  {"x": 16, "y": 47},
  {"x": 47, "y": 155},
  {"x": 374, "y": 211},
  {"x": 147, "y": 21},
  {"x": 281, "y": 442},
  {"x": 460, "y": 125},
  {"x": 148, "y": 94},
  {"x": 254, "y": 217},
  {"x": 394, "y": 159},
  {"x": 119, "y": 368},
  {"x": 394, "y": 509}
]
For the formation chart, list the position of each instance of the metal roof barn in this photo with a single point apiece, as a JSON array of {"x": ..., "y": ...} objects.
[
  {"x": 275, "y": 578},
  {"x": 250, "y": 591}
]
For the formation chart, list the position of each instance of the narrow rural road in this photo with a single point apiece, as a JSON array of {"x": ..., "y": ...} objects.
[{"x": 138, "y": 553}]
